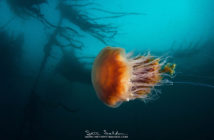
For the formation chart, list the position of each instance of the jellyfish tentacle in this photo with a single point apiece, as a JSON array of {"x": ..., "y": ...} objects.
[{"x": 194, "y": 84}]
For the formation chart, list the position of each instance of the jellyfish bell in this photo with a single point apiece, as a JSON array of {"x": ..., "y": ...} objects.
[{"x": 117, "y": 77}]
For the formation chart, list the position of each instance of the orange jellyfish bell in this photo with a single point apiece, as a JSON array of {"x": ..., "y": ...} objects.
[{"x": 117, "y": 77}]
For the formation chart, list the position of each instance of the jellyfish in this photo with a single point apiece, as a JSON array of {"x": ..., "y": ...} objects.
[{"x": 119, "y": 77}]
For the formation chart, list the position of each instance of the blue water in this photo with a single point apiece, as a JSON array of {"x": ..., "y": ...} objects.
[{"x": 45, "y": 68}]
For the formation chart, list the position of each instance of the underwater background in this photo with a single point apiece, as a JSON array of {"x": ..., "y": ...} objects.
[{"x": 47, "y": 48}]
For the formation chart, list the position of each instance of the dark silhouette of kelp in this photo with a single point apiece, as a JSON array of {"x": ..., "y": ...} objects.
[
  {"x": 10, "y": 54},
  {"x": 75, "y": 14},
  {"x": 185, "y": 49},
  {"x": 72, "y": 69},
  {"x": 35, "y": 102},
  {"x": 26, "y": 8},
  {"x": 194, "y": 61}
]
